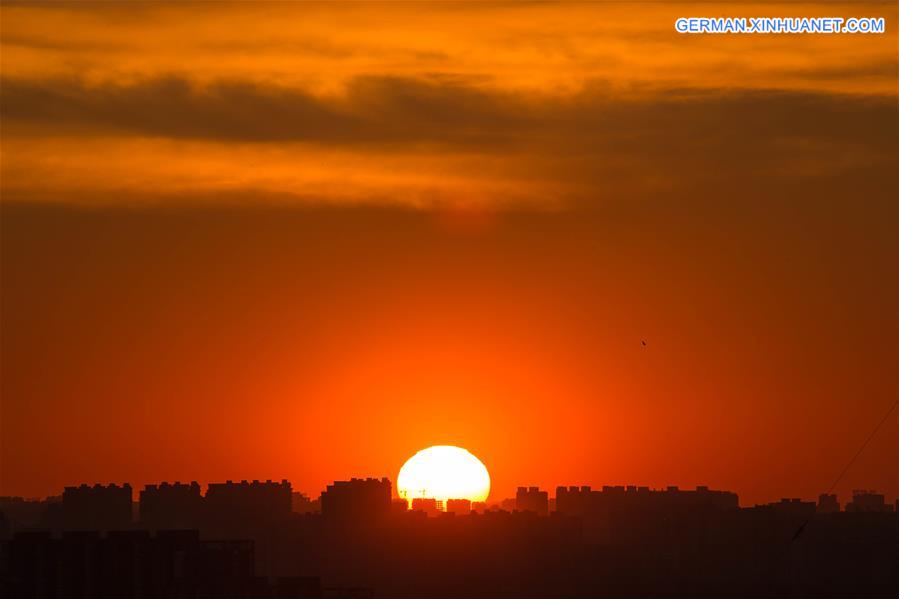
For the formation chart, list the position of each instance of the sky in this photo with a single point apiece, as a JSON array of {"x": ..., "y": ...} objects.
[{"x": 304, "y": 241}]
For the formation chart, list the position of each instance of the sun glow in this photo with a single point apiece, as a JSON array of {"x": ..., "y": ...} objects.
[{"x": 443, "y": 472}]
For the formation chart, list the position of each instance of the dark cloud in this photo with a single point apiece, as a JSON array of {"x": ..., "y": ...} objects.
[
  {"x": 172, "y": 107},
  {"x": 444, "y": 111},
  {"x": 887, "y": 70},
  {"x": 593, "y": 142}
]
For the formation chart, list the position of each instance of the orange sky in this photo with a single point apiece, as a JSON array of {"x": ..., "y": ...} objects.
[{"x": 307, "y": 240}]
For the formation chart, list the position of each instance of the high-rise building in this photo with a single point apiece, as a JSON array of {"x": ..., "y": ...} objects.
[
  {"x": 866, "y": 501},
  {"x": 129, "y": 564},
  {"x": 171, "y": 506},
  {"x": 828, "y": 504},
  {"x": 302, "y": 504},
  {"x": 232, "y": 505},
  {"x": 794, "y": 506},
  {"x": 357, "y": 499},
  {"x": 460, "y": 507},
  {"x": 428, "y": 505},
  {"x": 97, "y": 507},
  {"x": 532, "y": 499}
]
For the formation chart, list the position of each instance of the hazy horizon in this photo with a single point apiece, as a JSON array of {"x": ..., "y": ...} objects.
[{"x": 305, "y": 241}]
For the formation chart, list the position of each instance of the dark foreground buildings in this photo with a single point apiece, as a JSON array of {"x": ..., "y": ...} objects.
[
  {"x": 243, "y": 540},
  {"x": 363, "y": 500}
]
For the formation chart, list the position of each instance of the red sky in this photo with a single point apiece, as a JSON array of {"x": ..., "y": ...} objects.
[{"x": 305, "y": 241}]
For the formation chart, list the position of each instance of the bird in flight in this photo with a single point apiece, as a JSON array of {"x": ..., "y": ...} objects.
[{"x": 643, "y": 342}]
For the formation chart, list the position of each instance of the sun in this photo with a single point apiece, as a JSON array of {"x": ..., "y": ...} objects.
[{"x": 443, "y": 472}]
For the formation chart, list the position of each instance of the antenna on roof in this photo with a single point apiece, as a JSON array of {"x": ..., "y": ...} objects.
[
  {"x": 849, "y": 464},
  {"x": 862, "y": 448}
]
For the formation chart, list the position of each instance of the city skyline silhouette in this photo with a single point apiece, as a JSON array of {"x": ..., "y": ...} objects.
[{"x": 262, "y": 539}]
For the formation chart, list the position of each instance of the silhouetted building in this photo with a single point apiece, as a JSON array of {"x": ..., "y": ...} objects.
[
  {"x": 297, "y": 587},
  {"x": 128, "y": 564},
  {"x": 171, "y": 506},
  {"x": 302, "y": 504},
  {"x": 581, "y": 501},
  {"x": 575, "y": 501},
  {"x": 357, "y": 499},
  {"x": 23, "y": 514},
  {"x": 638, "y": 514},
  {"x": 479, "y": 506},
  {"x": 5, "y": 529},
  {"x": 627, "y": 542},
  {"x": 21, "y": 511},
  {"x": 428, "y": 505},
  {"x": 399, "y": 506},
  {"x": 828, "y": 504},
  {"x": 460, "y": 507},
  {"x": 794, "y": 507},
  {"x": 532, "y": 499},
  {"x": 867, "y": 501},
  {"x": 97, "y": 507},
  {"x": 232, "y": 505}
]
